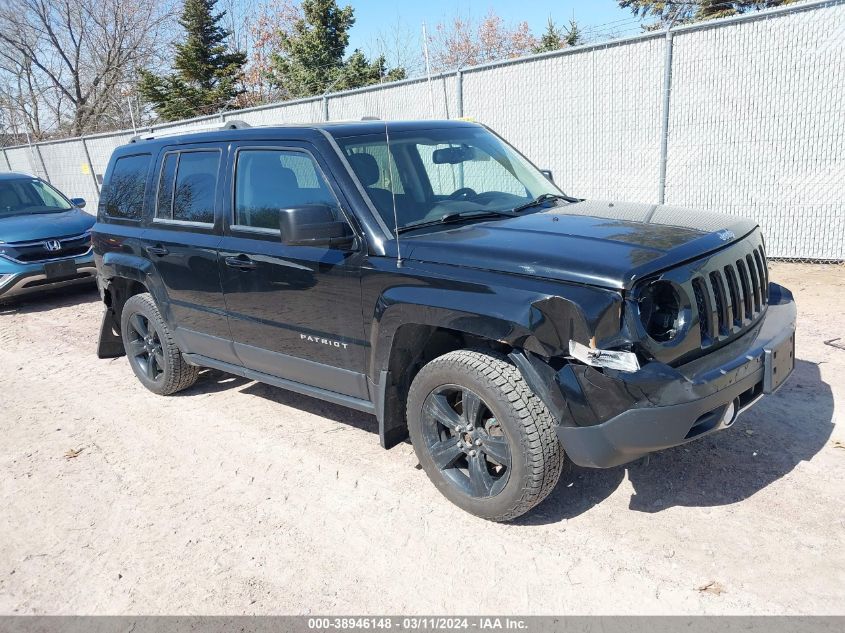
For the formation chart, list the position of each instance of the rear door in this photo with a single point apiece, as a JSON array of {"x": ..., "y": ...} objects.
[
  {"x": 182, "y": 240},
  {"x": 294, "y": 311}
]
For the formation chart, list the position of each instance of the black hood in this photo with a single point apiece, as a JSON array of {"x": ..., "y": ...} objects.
[{"x": 610, "y": 244}]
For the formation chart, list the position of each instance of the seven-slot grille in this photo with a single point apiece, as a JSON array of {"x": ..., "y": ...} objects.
[
  {"x": 731, "y": 297},
  {"x": 36, "y": 251}
]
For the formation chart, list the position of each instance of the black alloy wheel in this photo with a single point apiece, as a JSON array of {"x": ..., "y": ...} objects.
[
  {"x": 465, "y": 441},
  {"x": 144, "y": 349}
]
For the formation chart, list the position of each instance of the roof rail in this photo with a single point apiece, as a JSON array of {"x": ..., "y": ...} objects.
[
  {"x": 234, "y": 124},
  {"x": 369, "y": 117}
]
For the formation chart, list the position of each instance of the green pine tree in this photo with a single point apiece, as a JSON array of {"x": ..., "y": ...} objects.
[
  {"x": 358, "y": 72},
  {"x": 312, "y": 55},
  {"x": 573, "y": 36},
  {"x": 311, "y": 59},
  {"x": 667, "y": 12},
  {"x": 206, "y": 74},
  {"x": 551, "y": 40}
]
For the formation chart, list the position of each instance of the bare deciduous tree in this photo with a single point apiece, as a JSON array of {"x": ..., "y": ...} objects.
[
  {"x": 272, "y": 21},
  {"x": 401, "y": 47},
  {"x": 255, "y": 28},
  {"x": 66, "y": 65},
  {"x": 465, "y": 42}
]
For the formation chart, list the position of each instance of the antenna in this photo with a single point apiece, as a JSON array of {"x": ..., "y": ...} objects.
[{"x": 393, "y": 195}]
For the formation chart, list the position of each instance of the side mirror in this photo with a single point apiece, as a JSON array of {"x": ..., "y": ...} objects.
[
  {"x": 314, "y": 225},
  {"x": 548, "y": 174},
  {"x": 78, "y": 202}
]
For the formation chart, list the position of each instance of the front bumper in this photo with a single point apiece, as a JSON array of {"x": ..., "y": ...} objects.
[
  {"x": 610, "y": 418},
  {"x": 22, "y": 279}
]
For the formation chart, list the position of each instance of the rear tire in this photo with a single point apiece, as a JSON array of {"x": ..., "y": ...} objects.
[
  {"x": 149, "y": 346},
  {"x": 485, "y": 440}
]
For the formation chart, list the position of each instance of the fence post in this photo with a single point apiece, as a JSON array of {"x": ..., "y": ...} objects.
[
  {"x": 90, "y": 166},
  {"x": 325, "y": 107},
  {"x": 664, "y": 115},
  {"x": 43, "y": 164},
  {"x": 459, "y": 88},
  {"x": 6, "y": 156}
]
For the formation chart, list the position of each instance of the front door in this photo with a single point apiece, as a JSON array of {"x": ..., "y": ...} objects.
[{"x": 294, "y": 311}]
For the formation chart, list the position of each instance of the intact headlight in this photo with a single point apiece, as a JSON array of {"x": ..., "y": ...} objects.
[{"x": 660, "y": 304}]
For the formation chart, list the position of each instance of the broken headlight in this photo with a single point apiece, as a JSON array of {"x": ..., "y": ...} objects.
[{"x": 660, "y": 305}]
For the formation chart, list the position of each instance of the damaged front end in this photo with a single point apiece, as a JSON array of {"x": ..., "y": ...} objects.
[{"x": 609, "y": 415}]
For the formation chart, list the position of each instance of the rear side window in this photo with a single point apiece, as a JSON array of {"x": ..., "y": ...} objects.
[
  {"x": 123, "y": 194},
  {"x": 269, "y": 180},
  {"x": 187, "y": 186}
]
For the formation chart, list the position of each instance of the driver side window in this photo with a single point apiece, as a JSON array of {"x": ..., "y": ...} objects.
[
  {"x": 267, "y": 180},
  {"x": 480, "y": 175}
]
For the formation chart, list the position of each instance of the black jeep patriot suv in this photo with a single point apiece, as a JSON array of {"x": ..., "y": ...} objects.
[{"x": 428, "y": 273}]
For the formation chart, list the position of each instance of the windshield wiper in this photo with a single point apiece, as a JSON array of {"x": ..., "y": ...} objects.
[
  {"x": 543, "y": 197},
  {"x": 450, "y": 218}
]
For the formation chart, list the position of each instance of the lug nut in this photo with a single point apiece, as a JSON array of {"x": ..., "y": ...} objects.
[
  {"x": 478, "y": 442},
  {"x": 472, "y": 453}
]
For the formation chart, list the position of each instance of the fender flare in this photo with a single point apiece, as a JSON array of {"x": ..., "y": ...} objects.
[{"x": 135, "y": 268}]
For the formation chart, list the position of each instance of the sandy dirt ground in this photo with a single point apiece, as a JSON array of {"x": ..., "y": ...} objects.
[{"x": 238, "y": 498}]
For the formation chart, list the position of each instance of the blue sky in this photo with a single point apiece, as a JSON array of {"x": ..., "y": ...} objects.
[{"x": 374, "y": 16}]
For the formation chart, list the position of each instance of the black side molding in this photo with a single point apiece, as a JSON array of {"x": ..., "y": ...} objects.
[{"x": 307, "y": 390}]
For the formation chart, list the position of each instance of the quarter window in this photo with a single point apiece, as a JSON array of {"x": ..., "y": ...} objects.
[
  {"x": 123, "y": 196},
  {"x": 164, "y": 201},
  {"x": 269, "y": 180}
]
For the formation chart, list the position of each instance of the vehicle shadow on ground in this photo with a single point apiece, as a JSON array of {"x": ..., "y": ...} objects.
[
  {"x": 212, "y": 381},
  {"x": 50, "y": 300},
  {"x": 764, "y": 444}
]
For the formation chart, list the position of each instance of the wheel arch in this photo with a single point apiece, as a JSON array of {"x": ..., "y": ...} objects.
[
  {"x": 123, "y": 276},
  {"x": 414, "y": 325},
  {"x": 413, "y": 345}
]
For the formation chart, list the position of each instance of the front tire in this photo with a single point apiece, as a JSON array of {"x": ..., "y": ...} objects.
[
  {"x": 485, "y": 440},
  {"x": 149, "y": 346}
]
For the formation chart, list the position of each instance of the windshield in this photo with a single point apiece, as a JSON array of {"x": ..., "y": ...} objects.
[
  {"x": 441, "y": 172},
  {"x": 24, "y": 196}
]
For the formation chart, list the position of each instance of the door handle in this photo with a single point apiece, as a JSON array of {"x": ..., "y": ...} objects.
[
  {"x": 157, "y": 250},
  {"x": 241, "y": 262}
]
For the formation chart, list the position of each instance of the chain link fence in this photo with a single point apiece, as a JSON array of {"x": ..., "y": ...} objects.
[{"x": 743, "y": 115}]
